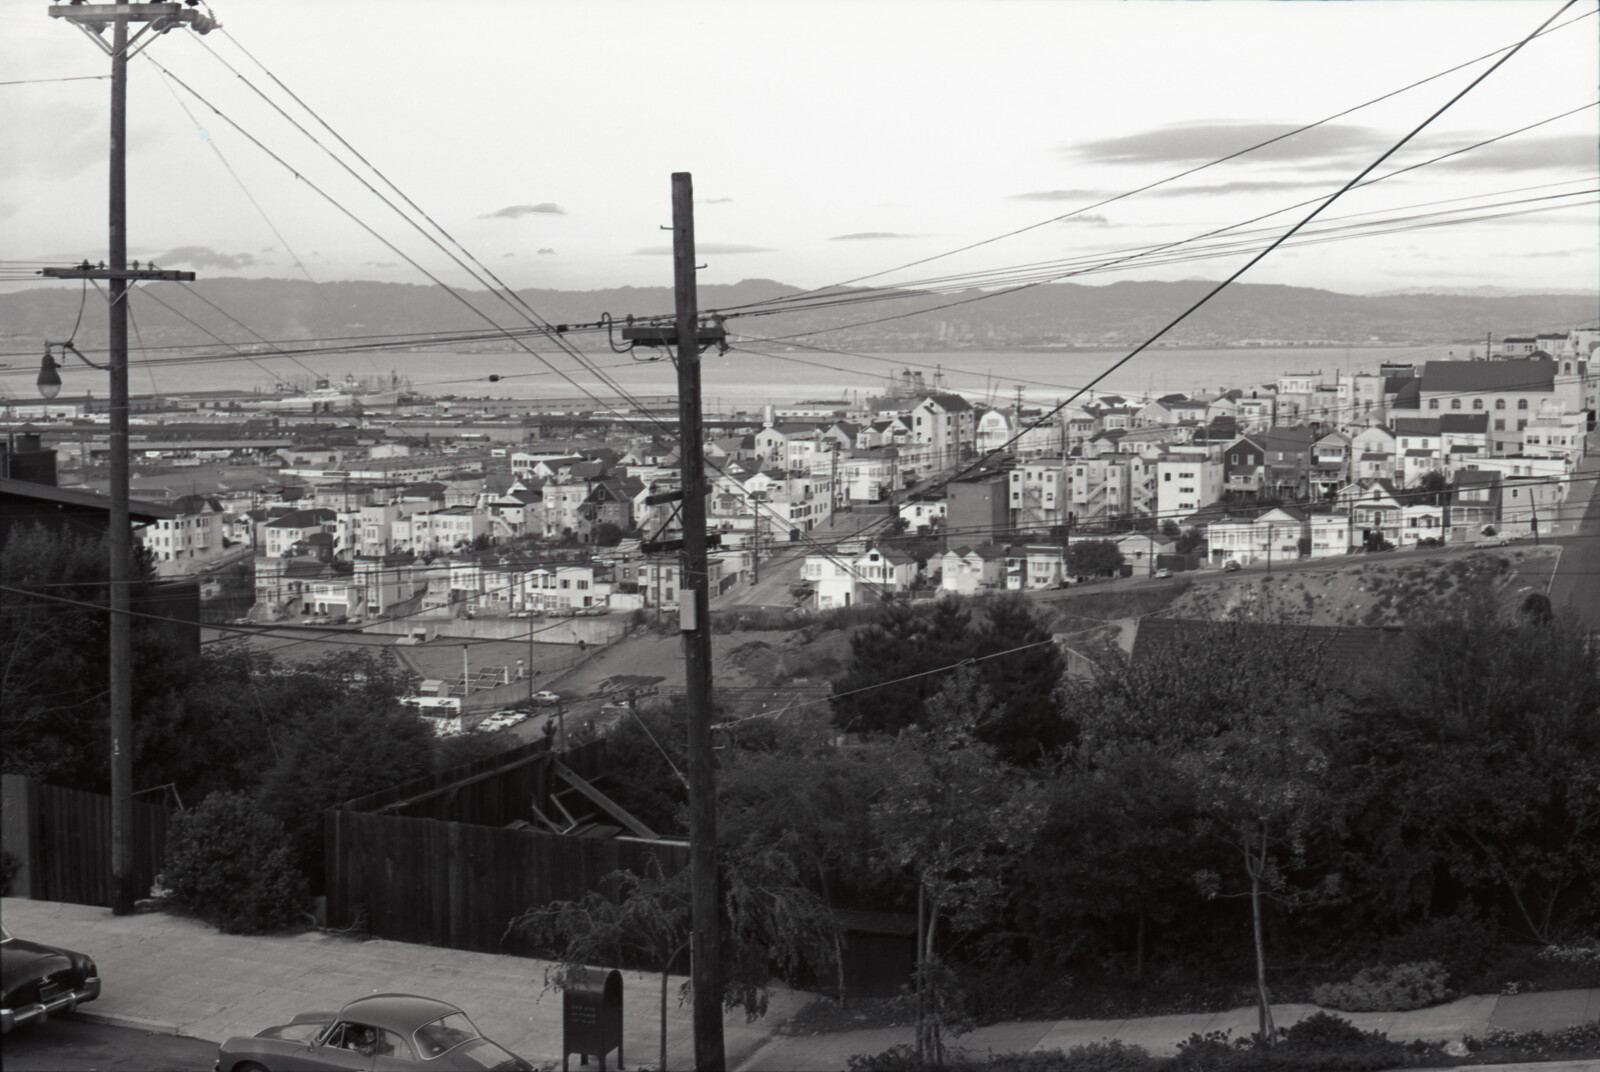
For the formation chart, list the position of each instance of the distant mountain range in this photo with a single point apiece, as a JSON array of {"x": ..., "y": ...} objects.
[{"x": 246, "y": 311}]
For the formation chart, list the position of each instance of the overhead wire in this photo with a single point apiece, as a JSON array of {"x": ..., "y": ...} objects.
[
  {"x": 1211, "y": 163},
  {"x": 1258, "y": 257}
]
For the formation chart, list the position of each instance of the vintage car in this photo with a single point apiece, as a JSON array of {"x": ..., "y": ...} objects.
[
  {"x": 377, "y": 1033},
  {"x": 40, "y": 979}
]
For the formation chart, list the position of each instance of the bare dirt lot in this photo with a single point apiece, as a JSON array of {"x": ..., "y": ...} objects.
[{"x": 1362, "y": 591}]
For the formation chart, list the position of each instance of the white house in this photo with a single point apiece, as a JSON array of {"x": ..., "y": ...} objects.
[
  {"x": 188, "y": 542},
  {"x": 843, "y": 580},
  {"x": 968, "y": 570}
]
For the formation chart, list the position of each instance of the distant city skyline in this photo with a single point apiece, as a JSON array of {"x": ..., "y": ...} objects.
[{"x": 828, "y": 141}]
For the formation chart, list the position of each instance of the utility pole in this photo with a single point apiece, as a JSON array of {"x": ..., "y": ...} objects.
[
  {"x": 93, "y": 20},
  {"x": 694, "y": 620}
]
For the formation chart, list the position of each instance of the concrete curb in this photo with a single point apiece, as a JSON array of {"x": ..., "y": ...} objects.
[{"x": 133, "y": 1023}]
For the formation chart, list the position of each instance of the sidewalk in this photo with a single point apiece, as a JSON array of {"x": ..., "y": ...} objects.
[{"x": 178, "y": 976}]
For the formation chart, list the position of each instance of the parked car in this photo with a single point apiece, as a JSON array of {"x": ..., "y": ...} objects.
[
  {"x": 1230, "y": 565},
  {"x": 544, "y": 698},
  {"x": 1163, "y": 573},
  {"x": 37, "y": 980},
  {"x": 384, "y": 1031}
]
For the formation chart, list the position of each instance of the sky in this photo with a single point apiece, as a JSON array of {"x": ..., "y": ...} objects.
[{"x": 827, "y": 141}]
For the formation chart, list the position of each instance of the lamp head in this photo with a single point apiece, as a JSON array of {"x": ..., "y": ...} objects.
[{"x": 49, "y": 377}]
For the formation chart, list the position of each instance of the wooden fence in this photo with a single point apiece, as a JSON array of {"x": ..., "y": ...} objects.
[
  {"x": 62, "y": 839},
  {"x": 434, "y": 861}
]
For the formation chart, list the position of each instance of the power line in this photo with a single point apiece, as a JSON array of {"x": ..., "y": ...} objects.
[
  {"x": 1277, "y": 242},
  {"x": 1212, "y": 163}
]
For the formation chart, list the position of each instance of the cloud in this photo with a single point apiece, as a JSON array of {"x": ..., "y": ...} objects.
[
  {"x": 1557, "y": 252},
  {"x": 1575, "y": 152},
  {"x": 870, "y": 234},
  {"x": 723, "y": 249},
  {"x": 1061, "y": 195},
  {"x": 717, "y": 201},
  {"x": 1093, "y": 219},
  {"x": 1194, "y": 143},
  {"x": 1244, "y": 186},
  {"x": 513, "y": 212},
  {"x": 546, "y": 252},
  {"x": 206, "y": 257}
]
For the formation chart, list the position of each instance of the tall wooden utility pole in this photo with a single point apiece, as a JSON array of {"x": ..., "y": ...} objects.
[
  {"x": 694, "y": 602},
  {"x": 93, "y": 19}
]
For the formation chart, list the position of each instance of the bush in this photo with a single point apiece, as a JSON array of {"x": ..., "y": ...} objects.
[
  {"x": 1579, "y": 1042},
  {"x": 1322, "y": 1043},
  {"x": 1113, "y": 1055},
  {"x": 1396, "y": 989},
  {"x": 230, "y": 864},
  {"x": 1325, "y": 1031}
]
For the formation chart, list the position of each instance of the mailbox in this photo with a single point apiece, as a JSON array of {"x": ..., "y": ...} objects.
[{"x": 591, "y": 1017}]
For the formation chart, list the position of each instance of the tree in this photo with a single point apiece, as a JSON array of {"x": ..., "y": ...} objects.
[
  {"x": 345, "y": 735},
  {"x": 1262, "y": 784},
  {"x": 1191, "y": 540},
  {"x": 54, "y": 677},
  {"x": 769, "y": 920},
  {"x": 1431, "y": 488},
  {"x": 809, "y": 803},
  {"x": 891, "y": 676},
  {"x": 608, "y": 534},
  {"x": 1094, "y": 558},
  {"x": 1242, "y": 713},
  {"x": 1472, "y": 769},
  {"x": 1021, "y": 667},
  {"x": 649, "y": 922},
  {"x": 1115, "y": 856},
  {"x": 954, "y": 820}
]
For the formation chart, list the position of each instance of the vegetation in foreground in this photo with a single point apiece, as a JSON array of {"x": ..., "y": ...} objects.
[
  {"x": 1319, "y": 1043},
  {"x": 1223, "y": 822}
]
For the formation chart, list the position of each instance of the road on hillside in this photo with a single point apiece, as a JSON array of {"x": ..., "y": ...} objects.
[
  {"x": 73, "y": 1044},
  {"x": 1576, "y": 584}
]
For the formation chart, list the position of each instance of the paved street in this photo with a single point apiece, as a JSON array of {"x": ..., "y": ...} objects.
[{"x": 76, "y": 1044}]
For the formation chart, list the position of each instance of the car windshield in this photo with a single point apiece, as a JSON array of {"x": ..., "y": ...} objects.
[
  {"x": 444, "y": 1034},
  {"x": 5, "y": 935}
]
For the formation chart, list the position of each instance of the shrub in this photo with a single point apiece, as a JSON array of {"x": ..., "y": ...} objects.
[
  {"x": 230, "y": 863},
  {"x": 1404, "y": 986},
  {"x": 1325, "y": 1031},
  {"x": 1468, "y": 944},
  {"x": 1113, "y": 1055},
  {"x": 1578, "y": 1042}
]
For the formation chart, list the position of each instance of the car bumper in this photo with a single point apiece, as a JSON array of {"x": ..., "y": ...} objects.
[{"x": 41, "y": 1010}]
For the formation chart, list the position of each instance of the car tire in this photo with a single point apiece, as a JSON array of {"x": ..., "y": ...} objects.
[{"x": 250, "y": 1066}]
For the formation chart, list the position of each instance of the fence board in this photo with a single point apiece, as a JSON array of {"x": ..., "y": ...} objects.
[
  {"x": 74, "y": 845},
  {"x": 458, "y": 884}
]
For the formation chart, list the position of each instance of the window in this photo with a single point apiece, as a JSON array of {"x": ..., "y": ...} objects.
[
  {"x": 1433, "y": 403},
  {"x": 1521, "y": 425},
  {"x": 1522, "y": 403},
  {"x": 1499, "y": 403},
  {"x": 1477, "y": 403},
  {"x": 1455, "y": 403},
  {"x": 1500, "y": 424}
]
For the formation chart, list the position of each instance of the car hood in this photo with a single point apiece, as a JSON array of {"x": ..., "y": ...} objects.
[
  {"x": 299, "y": 1031},
  {"x": 20, "y": 960},
  {"x": 480, "y": 1053}
]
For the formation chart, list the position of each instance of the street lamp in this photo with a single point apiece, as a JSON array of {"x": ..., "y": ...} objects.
[{"x": 49, "y": 375}]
